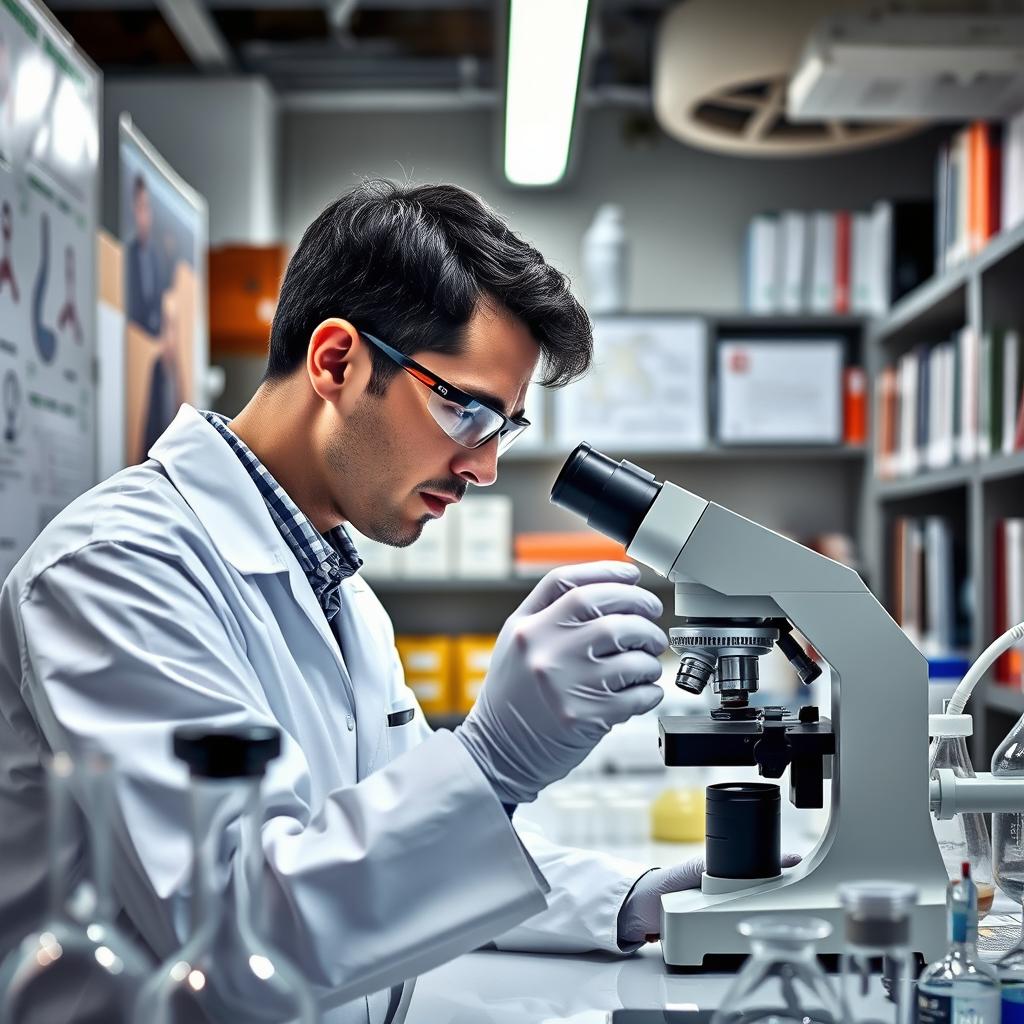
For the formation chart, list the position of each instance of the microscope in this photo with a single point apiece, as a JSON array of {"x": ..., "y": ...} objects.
[{"x": 740, "y": 590}]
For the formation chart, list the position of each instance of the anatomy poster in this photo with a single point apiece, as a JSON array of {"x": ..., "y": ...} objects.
[
  {"x": 49, "y": 147},
  {"x": 163, "y": 237}
]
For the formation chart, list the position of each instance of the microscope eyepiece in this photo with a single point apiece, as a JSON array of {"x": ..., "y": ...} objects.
[{"x": 613, "y": 497}]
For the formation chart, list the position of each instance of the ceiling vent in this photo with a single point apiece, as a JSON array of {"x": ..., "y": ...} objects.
[{"x": 721, "y": 73}]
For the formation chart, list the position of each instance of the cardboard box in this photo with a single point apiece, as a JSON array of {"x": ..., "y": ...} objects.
[
  {"x": 427, "y": 661},
  {"x": 471, "y": 660},
  {"x": 483, "y": 537}
]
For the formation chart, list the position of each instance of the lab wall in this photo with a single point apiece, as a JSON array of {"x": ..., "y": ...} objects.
[{"x": 221, "y": 136}]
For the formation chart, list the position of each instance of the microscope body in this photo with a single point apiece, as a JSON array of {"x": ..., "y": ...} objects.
[
  {"x": 726, "y": 567},
  {"x": 734, "y": 580}
]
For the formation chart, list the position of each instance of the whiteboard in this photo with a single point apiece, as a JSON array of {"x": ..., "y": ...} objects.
[
  {"x": 49, "y": 151},
  {"x": 646, "y": 390}
]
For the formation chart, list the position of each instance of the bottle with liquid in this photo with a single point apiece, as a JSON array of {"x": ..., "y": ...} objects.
[
  {"x": 78, "y": 965},
  {"x": 965, "y": 835},
  {"x": 877, "y": 957},
  {"x": 1008, "y": 826},
  {"x": 960, "y": 988},
  {"x": 781, "y": 981},
  {"x": 226, "y": 970}
]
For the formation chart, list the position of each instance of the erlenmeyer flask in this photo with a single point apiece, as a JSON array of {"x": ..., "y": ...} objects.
[
  {"x": 78, "y": 966},
  {"x": 226, "y": 970},
  {"x": 1008, "y": 826},
  {"x": 781, "y": 981},
  {"x": 964, "y": 837}
]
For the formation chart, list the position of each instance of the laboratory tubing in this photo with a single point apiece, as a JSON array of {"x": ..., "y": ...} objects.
[
  {"x": 781, "y": 981},
  {"x": 959, "y": 988},
  {"x": 78, "y": 965},
  {"x": 226, "y": 970},
  {"x": 877, "y": 956}
]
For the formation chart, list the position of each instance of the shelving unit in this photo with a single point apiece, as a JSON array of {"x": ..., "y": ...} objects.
[{"x": 983, "y": 292}]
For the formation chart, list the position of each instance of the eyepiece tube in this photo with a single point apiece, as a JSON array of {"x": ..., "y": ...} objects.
[{"x": 613, "y": 497}]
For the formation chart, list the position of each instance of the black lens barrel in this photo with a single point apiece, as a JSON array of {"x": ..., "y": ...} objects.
[
  {"x": 742, "y": 834},
  {"x": 613, "y": 497}
]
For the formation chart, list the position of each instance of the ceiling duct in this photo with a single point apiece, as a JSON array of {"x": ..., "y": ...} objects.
[{"x": 721, "y": 73}]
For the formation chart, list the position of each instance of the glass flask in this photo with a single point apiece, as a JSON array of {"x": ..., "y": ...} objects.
[
  {"x": 1008, "y": 826},
  {"x": 878, "y": 967},
  {"x": 781, "y": 982},
  {"x": 960, "y": 988},
  {"x": 965, "y": 835},
  {"x": 226, "y": 970},
  {"x": 78, "y": 966}
]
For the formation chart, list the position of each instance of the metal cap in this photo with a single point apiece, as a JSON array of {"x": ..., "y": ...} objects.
[{"x": 890, "y": 901}]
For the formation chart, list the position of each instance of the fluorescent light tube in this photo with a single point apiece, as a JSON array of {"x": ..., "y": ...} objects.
[{"x": 545, "y": 48}]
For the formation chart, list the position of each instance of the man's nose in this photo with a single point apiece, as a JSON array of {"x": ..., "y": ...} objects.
[{"x": 477, "y": 465}]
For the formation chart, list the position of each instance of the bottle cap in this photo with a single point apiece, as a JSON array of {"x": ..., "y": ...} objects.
[
  {"x": 877, "y": 913},
  {"x": 220, "y": 753}
]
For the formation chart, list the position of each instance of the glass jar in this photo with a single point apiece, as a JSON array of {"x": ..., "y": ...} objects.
[
  {"x": 78, "y": 965},
  {"x": 781, "y": 981},
  {"x": 964, "y": 837}
]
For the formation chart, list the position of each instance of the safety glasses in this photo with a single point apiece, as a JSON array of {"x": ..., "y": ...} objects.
[{"x": 466, "y": 420}]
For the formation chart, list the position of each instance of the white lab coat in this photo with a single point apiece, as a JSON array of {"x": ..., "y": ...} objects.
[{"x": 167, "y": 595}]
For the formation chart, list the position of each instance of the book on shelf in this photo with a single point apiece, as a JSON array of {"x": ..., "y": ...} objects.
[
  {"x": 971, "y": 192},
  {"x": 950, "y": 402},
  {"x": 928, "y": 569},
  {"x": 1008, "y": 596},
  {"x": 838, "y": 261}
]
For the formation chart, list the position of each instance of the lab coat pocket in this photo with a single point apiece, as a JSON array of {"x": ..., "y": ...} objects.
[{"x": 403, "y": 731}]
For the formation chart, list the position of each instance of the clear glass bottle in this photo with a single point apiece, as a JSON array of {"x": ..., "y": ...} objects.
[
  {"x": 1008, "y": 826},
  {"x": 964, "y": 836},
  {"x": 78, "y": 965},
  {"x": 1010, "y": 969},
  {"x": 960, "y": 988},
  {"x": 877, "y": 961},
  {"x": 781, "y": 981},
  {"x": 226, "y": 970}
]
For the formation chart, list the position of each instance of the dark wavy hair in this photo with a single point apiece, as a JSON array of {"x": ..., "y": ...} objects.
[{"x": 411, "y": 263}]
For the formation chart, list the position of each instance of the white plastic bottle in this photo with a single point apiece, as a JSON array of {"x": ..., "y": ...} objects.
[{"x": 605, "y": 259}]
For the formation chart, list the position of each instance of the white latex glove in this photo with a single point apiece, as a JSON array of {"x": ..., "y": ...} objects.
[
  {"x": 640, "y": 916},
  {"x": 579, "y": 655}
]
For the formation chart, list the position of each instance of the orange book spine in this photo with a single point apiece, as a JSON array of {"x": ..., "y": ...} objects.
[{"x": 855, "y": 418}]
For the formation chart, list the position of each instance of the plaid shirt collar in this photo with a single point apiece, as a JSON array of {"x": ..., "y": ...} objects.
[{"x": 326, "y": 559}]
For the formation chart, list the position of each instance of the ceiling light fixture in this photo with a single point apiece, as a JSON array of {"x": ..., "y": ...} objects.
[{"x": 545, "y": 50}]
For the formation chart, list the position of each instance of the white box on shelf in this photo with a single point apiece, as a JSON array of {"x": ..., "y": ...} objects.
[
  {"x": 780, "y": 392},
  {"x": 430, "y": 557},
  {"x": 380, "y": 561},
  {"x": 482, "y": 529},
  {"x": 646, "y": 391},
  {"x": 535, "y": 436}
]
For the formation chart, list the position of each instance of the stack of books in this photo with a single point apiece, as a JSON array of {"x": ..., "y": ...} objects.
[
  {"x": 1008, "y": 596},
  {"x": 954, "y": 401},
  {"x": 928, "y": 572},
  {"x": 837, "y": 261}
]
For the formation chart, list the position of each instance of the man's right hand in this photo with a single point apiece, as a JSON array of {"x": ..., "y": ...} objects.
[{"x": 579, "y": 655}]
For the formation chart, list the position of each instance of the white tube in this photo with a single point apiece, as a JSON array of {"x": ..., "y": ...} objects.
[{"x": 975, "y": 673}]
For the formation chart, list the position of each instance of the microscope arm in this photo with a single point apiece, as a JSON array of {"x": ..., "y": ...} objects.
[{"x": 950, "y": 795}]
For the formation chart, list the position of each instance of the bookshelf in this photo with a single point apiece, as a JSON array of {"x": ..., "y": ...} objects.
[{"x": 983, "y": 292}]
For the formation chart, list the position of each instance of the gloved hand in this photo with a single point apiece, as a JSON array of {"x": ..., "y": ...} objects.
[
  {"x": 579, "y": 655},
  {"x": 640, "y": 915}
]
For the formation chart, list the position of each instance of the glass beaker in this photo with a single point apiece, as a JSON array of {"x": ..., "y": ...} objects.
[
  {"x": 964, "y": 837},
  {"x": 1008, "y": 826},
  {"x": 78, "y": 965},
  {"x": 877, "y": 956},
  {"x": 781, "y": 981},
  {"x": 226, "y": 970}
]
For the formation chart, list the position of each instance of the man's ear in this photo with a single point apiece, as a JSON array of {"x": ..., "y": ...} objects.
[{"x": 336, "y": 359}]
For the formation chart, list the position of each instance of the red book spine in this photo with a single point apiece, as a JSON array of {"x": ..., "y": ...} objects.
[{"x": 842, "y": 261}]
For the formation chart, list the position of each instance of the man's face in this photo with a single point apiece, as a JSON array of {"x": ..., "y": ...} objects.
[
  {"x": 143, "y": 215},
  {"x": 392, "y": 466}
]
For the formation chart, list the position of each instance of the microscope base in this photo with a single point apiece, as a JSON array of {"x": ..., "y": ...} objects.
[{"x": 695, "y": 924}]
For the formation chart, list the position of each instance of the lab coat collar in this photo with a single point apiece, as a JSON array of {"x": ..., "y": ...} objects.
[{"x": 216, "y": 486}]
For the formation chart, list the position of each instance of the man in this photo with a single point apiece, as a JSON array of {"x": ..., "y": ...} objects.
[
  {"x": 215, "y": 584},
  {"x": 145, "y": 276}
]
